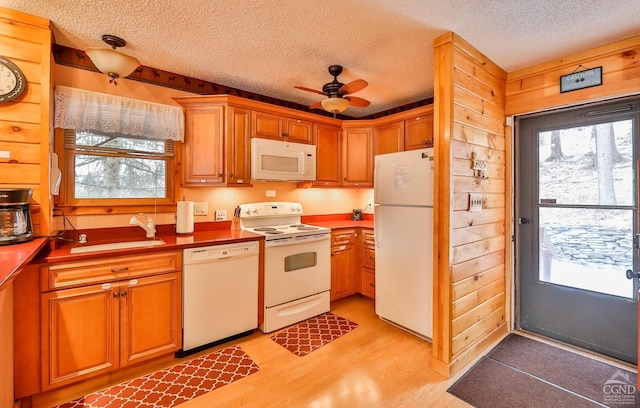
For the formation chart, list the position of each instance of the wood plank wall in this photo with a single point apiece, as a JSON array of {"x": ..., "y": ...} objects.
[
  {"x": 470, "y": 271},
  {"x": 537, "y": 88},
  {"x": 25, "y": 122}
]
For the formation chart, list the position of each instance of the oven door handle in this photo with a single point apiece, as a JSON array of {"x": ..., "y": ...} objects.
[{"x": 297, "y": 240}]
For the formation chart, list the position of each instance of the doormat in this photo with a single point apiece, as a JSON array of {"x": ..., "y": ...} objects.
[
  {"x": 174, "y": 385},
  {"x": 522, "y": 372},
  {"x": 304, "y": 337}
]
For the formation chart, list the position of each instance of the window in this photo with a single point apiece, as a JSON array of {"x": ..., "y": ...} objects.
[
  {"x": 115, "y": 170},
  {"x": 116, "y": 154}
]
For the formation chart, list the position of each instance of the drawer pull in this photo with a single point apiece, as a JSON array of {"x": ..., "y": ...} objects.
[{"x": 126, "y": 268}]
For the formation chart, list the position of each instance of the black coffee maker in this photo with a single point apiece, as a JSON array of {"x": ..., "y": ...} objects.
[{"x": 15, "y": 216}]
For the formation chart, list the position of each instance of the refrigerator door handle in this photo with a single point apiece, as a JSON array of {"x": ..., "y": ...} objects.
[{"x": 376, "y": 238}]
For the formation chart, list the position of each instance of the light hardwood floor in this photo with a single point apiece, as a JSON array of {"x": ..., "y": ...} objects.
[{"x": 375, "y": 365}]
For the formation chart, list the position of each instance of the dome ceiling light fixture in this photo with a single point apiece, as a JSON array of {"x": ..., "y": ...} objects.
[{"x": 110, "y": 61}]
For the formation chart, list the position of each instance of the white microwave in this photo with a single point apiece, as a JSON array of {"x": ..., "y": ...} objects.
[{"x": 282, "y": 161}]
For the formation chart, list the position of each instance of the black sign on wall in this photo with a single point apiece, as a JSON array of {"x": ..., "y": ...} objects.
[{"x": 580, "y": 80}]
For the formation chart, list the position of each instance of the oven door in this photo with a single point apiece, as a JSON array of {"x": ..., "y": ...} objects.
[{"x": 296, "y": 267}]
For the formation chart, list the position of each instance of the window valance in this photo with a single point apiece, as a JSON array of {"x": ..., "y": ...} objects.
[{"x": 79, "y": 109}]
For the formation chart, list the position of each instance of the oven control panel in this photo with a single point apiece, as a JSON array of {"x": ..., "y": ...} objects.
[{"x": 270, "y": 209}]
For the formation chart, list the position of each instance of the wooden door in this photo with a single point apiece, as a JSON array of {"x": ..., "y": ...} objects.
[
  {"x": 238, "y": 146},
  {"x": 342, "y": 276},
  {"x": 357, "y": 157},
  {"x": 299, "y": 131},
  {"x": 418, "y": 132},
  {"x": 150, "y": 317},
  {"x": 267, "y": 125},
  {"x": 203, "y": 158},
  {"x": 389, "y": 138},
  {"x": 82, "y": 328},
  {"x": 328, "y": 164}
]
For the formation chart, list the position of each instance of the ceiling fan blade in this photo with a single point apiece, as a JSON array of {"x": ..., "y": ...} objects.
[
  {"x": 352, "y": 87},
  {"x": 357, "y": 102},
  {"x": 309, "y": 90},
  {"x": 316, "y": 105}
]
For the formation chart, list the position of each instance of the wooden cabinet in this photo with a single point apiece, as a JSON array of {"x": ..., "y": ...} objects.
[
  {"x": 357, "y": 157},
  {"x": 217, "y": 144},
  {"x": 368, "y": 265},
  {"x": 271, "y": 126},
  {"x": 328, "y": 164},
  {"x": 389, "y": 138},
  {"x": 343, "y": 263},
  {"x": 203, "y": 148},
  {"x": 238, "y": 146},
  {"x": 114, "y": 321},
  {"x": 418, "y": 132}
]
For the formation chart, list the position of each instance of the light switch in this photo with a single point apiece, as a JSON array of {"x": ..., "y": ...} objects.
[{"x": 475, "y": 202}]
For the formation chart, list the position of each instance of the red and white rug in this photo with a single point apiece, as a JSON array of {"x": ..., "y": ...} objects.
[
  {"x": 304, "y": 337},
  {"x": 174, "y": 385}
]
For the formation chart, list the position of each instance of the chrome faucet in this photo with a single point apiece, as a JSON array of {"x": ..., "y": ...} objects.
[{"x": 149, "y": 227}]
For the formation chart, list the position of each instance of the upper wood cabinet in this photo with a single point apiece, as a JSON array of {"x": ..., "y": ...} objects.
[
  {"x": 389, "y": 138},
  {"x": 203, "y": 148},
  {"x": 238, "y": 146},
  {"x": 270, "y": 126},
  {"x": 328, "y": 164},
  {"x": 217, "y": 144},
  {"x": 418, "y": 132},
  {"x": 357, "y": 157}
]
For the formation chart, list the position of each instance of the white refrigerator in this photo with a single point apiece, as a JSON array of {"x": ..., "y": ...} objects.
[{"x": 403, "y": 227}]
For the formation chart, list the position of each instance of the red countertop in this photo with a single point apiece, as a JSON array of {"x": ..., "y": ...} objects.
[{"x": 12, "y": 257}]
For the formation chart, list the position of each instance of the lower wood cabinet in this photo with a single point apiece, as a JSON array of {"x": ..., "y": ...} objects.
[
  {"x": 93, "y": 329},
  {"x": 368, "y": 259},
  {"x": 344, "y": 263}
]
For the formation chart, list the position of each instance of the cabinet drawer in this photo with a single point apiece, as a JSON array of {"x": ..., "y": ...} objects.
[
  {"x": 368, "y": 283},
  {"x": 369, "y": 260},
  {"x": 343, "y": 237},
  {"x": 71, "y": 274},
  {"x": 368, "y": 237}
]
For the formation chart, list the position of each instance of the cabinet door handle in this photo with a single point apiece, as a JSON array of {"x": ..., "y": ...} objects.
[
  {"x": 230, "y": 174},
  {"x": 126, "y": 268},
  {"x": 116, "y": 294},
  {"x": 123, "y": 293},
  {"x": 372, "y": 285},
  {"x": 219, "y": 174}
]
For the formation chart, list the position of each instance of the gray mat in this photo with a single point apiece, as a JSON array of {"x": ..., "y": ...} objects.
[{"x": 521, "y": 372}]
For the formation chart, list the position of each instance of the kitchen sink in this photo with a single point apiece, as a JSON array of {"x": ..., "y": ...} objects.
[{"x": 116, "y": 245}]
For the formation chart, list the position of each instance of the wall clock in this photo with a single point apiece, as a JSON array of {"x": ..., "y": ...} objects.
[{"x": 12, "y": 81}]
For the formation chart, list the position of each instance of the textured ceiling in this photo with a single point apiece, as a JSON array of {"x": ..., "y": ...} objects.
[{"x": 269, "y": 46}]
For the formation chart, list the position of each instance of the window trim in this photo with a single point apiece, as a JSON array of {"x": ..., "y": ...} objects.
[{"x": 65, "y": 199}]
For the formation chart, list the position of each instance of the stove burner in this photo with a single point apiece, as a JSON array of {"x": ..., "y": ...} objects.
[
  {"x": 274, "y": 232},
  {"x": 266, "y": 229},
  {"x": 306, "y": 228}
]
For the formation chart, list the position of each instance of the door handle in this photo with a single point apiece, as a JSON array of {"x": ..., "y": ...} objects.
[
  {"x": 631, "y": 274},
  {"x": 522, "y": 220}
]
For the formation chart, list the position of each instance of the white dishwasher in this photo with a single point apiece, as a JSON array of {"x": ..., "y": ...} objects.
[{"x": 219, "y": 294}]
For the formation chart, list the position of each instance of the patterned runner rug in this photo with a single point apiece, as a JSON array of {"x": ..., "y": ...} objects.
[
  {"x": 174, "y": 385},
  {"x": 304, "y": 337}
]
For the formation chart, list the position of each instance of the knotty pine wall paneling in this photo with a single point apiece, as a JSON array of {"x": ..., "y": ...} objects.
[
  {"x": 25, "y": 122},
  {"x": 470, "y": 268},
  {"x": 537, "y": 88}
]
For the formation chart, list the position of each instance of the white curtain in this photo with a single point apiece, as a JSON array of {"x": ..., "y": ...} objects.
[{"x": 79, "y": 109}]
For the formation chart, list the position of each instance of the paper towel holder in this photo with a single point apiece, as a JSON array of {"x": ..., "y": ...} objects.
[{"x": 184, "y": 218}]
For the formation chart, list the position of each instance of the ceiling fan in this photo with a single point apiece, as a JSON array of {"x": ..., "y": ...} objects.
[{"x": 338, "y": 94}]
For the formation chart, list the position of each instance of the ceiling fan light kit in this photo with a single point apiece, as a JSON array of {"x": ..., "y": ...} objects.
[
  {"x": 110, "y": 61},
  {"x": 335, "y": 104},
  {"x": 337, "y": 100}
]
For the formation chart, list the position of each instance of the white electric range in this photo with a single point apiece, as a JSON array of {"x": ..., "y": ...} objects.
[{"x": 297, "y": 262}]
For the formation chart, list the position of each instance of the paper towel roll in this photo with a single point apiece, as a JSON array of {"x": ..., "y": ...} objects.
[{"x": 184, "y": 217}]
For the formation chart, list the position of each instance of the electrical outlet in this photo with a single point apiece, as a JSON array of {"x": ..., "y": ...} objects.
[
  {"x": 201, "y": 208},
  {"x": 270, "y": 193},
  {"x": 221, "y": 215}
]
